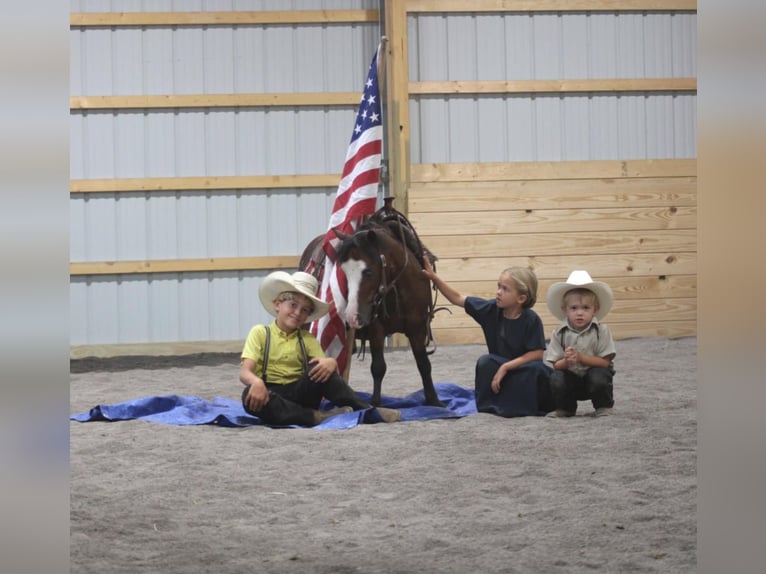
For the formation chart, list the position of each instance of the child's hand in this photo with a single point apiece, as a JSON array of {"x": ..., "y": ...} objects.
[
  {"x": 498, "y": 378},
  {"x": 572, "y": 356},
  {"x": 324, "y": 367},
  {"x": 257, "y": 396}
]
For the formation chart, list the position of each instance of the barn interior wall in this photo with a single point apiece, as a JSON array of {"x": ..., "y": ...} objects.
[{"x": 604, "y": 180}]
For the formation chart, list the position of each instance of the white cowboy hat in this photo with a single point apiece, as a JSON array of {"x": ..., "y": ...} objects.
[
  {"x": 579, "y": 280},
  {"x": 299, "y": 282}
]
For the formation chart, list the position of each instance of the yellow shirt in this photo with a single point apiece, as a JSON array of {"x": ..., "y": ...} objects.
[{"x": 285, "y": 355}]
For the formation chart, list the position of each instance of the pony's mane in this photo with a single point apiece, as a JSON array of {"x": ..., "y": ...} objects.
[
  {"x": 394, "y": 229},
  {"x": 359, "y": 240}
]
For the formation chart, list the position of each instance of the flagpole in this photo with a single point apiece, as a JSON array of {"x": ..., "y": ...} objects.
[
  {"x": 383, "y": 185},
  {"x": 383, "y": 190}
]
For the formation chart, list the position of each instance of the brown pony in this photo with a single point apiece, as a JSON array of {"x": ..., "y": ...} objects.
[{"x": 387, "y": 291}]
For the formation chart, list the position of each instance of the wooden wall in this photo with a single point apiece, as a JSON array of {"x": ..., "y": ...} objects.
[{"x": 629, "y": 223}]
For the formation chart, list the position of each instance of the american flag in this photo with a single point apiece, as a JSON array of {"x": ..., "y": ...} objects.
[{"x": 356, "y": 197}]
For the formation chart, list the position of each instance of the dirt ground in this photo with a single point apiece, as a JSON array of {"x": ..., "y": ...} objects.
[{"x": 477, "y": 494}]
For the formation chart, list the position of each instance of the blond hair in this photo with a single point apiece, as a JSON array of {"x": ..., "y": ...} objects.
[
  {"x": 583, "y": 294},
  {"x": 526, "y": 283}
]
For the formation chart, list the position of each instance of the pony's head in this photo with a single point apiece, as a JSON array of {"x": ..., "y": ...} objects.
[{"x": 361, "y": 256}]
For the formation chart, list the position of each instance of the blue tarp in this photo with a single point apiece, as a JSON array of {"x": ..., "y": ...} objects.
[{"x": 190, "y": 410}]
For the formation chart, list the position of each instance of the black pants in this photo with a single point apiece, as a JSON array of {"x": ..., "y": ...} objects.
[
  {"x": 567, "y": 388},
  {"x": 295, "y": 403}
]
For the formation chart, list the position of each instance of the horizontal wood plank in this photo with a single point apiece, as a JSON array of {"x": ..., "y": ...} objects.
[
  {"x": 624, "y": 288},
  {"x": 558, "y": 267},
  {"x": 562, "y": 243},
  {"x": 552, "y": 86},
  {"x": 558, "y": 194},
  {"x": 555, "y": 220},
  {"x": 202, "y": 183},
  {"x": 158, "y": 349},
  {"x": 665, "y": 329},
  {"x": 448, "y": 6},
  {"x": 551, "y": 170},
  {"x": 184, "y": 265},
  {"x": 628, "y": 311},
  {"x": 314, "y": 99},
  {"x": 229, "y": 18}
]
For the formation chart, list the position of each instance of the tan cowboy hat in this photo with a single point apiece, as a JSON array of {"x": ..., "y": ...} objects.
[
  {"x": 579, "y": 280},
  {"x": 299, "y": 282}
]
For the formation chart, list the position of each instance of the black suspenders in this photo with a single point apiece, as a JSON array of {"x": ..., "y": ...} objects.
[
  {"x": 267, "y": 346},
  {"x": 561, "y": 334}
]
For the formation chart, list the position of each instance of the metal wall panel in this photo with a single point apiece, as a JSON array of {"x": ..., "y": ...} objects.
[
  {"x": 215, "y": 60},
  {"x": 552, "y": 127},
  {"x": 162, "y": 143},
  {"x": 172, "y": 307}
]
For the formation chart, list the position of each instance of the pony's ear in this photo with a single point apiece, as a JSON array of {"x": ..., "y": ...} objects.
[{"x": 339, "y": 234}]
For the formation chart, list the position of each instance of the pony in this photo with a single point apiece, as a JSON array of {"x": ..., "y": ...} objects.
[{"x": 387, "y": 291}]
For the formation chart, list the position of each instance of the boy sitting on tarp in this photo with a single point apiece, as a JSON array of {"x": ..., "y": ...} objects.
[{"x": 283, "y": 367}]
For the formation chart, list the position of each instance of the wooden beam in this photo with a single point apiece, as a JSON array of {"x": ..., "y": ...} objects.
[
  {"x": 184, "y": 265},
  {"x": 440, "y": 197},
  {"x": 508, "y": 171},
  {"x": 631, "y": 311},
  {"x": 624, "y": 288},
  {"x": 397, "y": 104},
  {"x": 555, "y": 267},
  {"x": 554, "y": 86},
  {"x": 307, "y": 99},
  {"x": 233, "y": 18},
  {"x": 665, "y": 329},
  {"x": 155, "y": 349},
  {"x": 628, "y": 220},
  {"x": 351, "y": 99},
  {"x": 446, "y": 6},
  {"x": 201, "y": 183},
  {"x": 567, "y": 242}
]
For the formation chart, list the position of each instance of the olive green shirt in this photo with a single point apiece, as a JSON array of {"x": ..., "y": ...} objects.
[
  {"x": 285, "y": 355},
  {"x": 595, "y": 340}
]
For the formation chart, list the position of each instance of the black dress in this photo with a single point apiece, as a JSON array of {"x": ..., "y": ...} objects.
[{"x": 524, "y": 391}]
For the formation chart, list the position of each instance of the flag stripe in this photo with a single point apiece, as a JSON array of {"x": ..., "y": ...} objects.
[
  {"x": 365, "y": 188},
  {"x": 366, "y": 161}
]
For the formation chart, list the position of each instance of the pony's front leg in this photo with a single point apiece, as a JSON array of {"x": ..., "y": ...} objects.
[{"x": 377, "y": 368}]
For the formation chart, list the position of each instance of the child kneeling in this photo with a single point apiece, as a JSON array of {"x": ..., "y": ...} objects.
[{"x": 581, "y": 349}]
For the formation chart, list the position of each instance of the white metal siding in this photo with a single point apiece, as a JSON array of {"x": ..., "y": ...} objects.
[
  {"x": 172, "y": 307},
  {"x": 552, "y": 127}
]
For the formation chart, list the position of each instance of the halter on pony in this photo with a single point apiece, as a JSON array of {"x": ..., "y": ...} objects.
[{"x": 394, "y": 223}]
